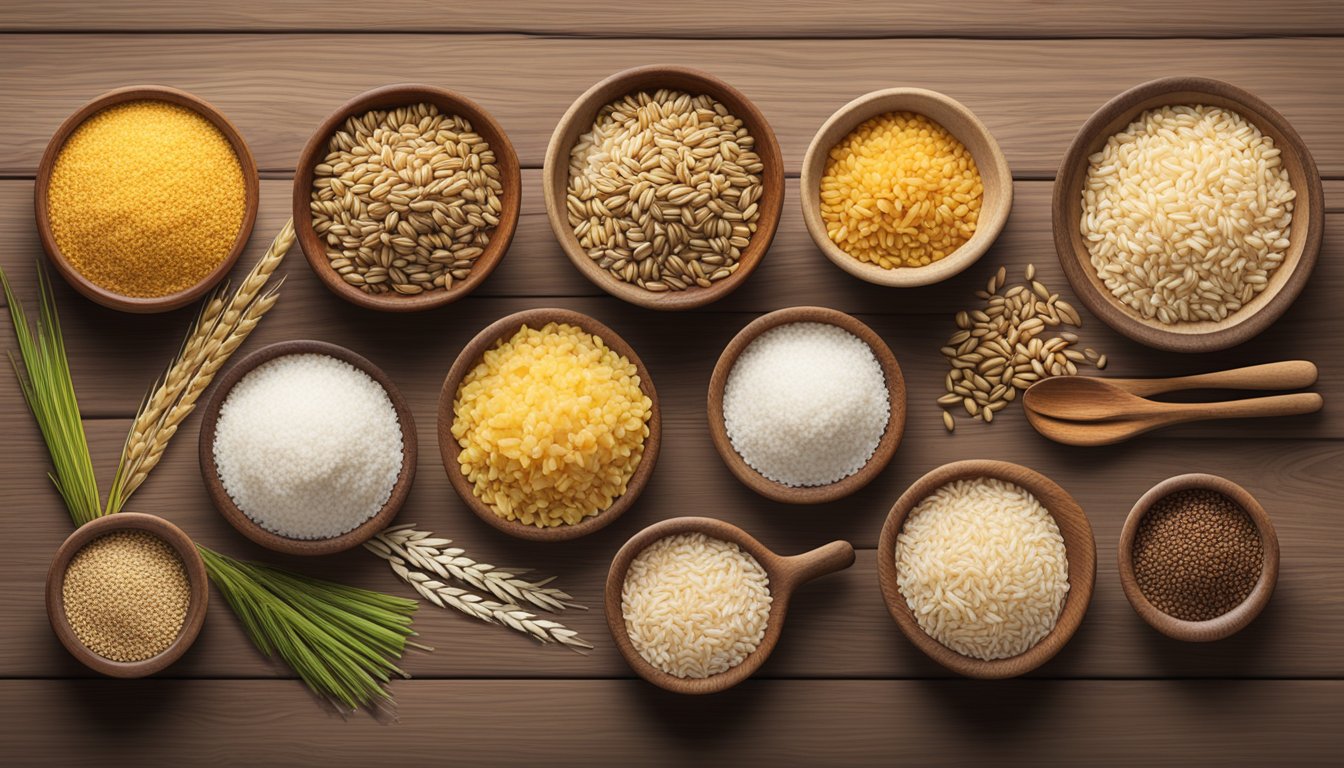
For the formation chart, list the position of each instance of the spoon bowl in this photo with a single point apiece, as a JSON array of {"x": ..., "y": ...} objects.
[{"x": 785, "y": 575}]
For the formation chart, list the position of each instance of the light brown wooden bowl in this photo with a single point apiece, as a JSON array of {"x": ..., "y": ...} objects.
[
  {"x": 389, "y": 97},
  {"x": 470, "y": 357},
  {"x": 1234, "y": 620},
  {"x": 961, "y": 123},
  {"x": 1079, "y": 545},
  {"x": 1304, "y": 236},
  {"x": 274, "y": 541},
  {"x": 816, "y": 494},
  {"x": 785, "y": 575},
  {"x": 41, "y": 188},
  {"x": 578, "y": 119},
  {"x": 196, "y": 578}
]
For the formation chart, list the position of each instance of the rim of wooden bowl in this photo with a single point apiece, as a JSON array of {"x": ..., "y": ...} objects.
[
  {"x": 785, "y": 575},
  {"x": 1234, "y": 620},
  {"x": 399, "y": 95},
  {"x": 41, "y": 189},
  {"x": 1304, "y": 236},
  {"x": 197, "y": 580},
  {"x": 962, "y": 123},
  {"x": 449, "y": 450},
  {"x": 253, "y": 530},
  {"x": 815, "y": 494},
  {"x": 1079, "y": 543},
  {"x": 579, "y": 118}
]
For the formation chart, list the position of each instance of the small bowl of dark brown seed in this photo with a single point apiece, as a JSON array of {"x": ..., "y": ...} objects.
[
  {"x": 1199, "y": 558},
  {"x": 406, "y": 198}
]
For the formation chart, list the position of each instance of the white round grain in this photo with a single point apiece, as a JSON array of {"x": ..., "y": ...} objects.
[{"x": 308, "y": 446}]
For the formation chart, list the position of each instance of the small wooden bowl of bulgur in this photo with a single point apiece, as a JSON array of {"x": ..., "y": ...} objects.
[
  {"x": 406, "y": 198},
  {"x": 127, "y": 594}
]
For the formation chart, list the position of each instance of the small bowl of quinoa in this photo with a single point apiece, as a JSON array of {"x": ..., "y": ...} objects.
[
  {"x": 1198, "y": 558},
  {"x": 549, "y": 425},
  {"x": 127, "y": 594},
  {"x": 145, "y": 198},
  {"x": 904, "y": 187}
]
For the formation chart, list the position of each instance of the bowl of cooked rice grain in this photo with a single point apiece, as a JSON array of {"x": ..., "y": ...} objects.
[
  {"x": 905, "y": 187},
  {"x": 696, "y": 605},
  {"x": 664, "y": 186},
  {"x": 1188, "y": 214},
  {"x": 987, "y": 567},
  {"x": 549, "y": 425},
  {"x": 406, "y": 198}
]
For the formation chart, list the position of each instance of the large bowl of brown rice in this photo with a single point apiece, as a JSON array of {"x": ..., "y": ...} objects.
[
  {"x": 987, "y": 567},
  {"x": 1188, "y": 214}
]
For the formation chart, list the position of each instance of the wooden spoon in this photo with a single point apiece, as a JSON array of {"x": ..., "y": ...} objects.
[
  {"x": 1289, "y": 374},
  {"x": 1086, "y": 398},
  {"x": 1148, "y": 415}
]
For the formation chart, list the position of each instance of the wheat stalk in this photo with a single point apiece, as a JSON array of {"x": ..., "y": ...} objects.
[
  {"x": 476, "y": 606},
  {"x": 421, "y": 549},
  {"x": 224, "y": 324}
]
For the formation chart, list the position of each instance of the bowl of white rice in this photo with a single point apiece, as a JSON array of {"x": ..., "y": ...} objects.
[
  {"x": 1188, "y": 214},
  {"x": 307, "y": 448},
  {"x": 696, "y": 605},
  {"x": 987, "y": 567}
]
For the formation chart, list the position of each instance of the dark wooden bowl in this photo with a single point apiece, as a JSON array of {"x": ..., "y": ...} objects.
[
  {"x": 1079, "y": 545},
  {"x": 786, "y": 574},
  {"x": 579, "y": 119},
  {"x": 274, "y": 541},
  {"x": 471, "y": 356},
  {"x": 41, "y": 188},
  {"x": 1304, "y": 236},
  {"x": 816, "y": 494},
  {"x": 961, "y": 123},
  {"x": 1234, "y": 620},
  {"x": 389, "y": 97},
  {"x": 196, "y": 577}
]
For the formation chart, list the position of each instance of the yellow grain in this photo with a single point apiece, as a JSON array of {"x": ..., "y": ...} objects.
[
  {"x": 552, "y": 425},
  {"x": 900, "y": 191},
  {"x": 146, "y": 198}
]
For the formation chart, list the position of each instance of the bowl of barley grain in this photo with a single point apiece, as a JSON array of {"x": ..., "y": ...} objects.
[
  {"x": 664, "y": 186},
  {"x": 406, "y": 198}
]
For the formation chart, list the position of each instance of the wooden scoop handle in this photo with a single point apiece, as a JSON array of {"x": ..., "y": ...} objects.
[
  {"x": 1256, "y": 407},
  {"x": 800, "y": 569},
  {"x": 1289, "y": 374}
]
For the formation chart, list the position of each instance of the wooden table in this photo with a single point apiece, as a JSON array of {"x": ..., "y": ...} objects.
[{"x": 844, "y": 687}]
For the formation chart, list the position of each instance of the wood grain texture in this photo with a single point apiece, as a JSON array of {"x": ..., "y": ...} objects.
[
  {"x": 787, "y": 18},
  {"x": 1033, "y": 95},
  {"x": 628, "y": 722}
]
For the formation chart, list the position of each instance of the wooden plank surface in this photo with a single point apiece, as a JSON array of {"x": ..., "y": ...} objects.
[
  {"x": 693, "y": 18},
  {"x": 1032, "y": 94},
  {"x": 626, "y": 723},
  {"x": 844, "y": 687}
]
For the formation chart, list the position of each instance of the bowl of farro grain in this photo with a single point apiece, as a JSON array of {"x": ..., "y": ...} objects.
[
  {"x": 664, "y": 186},
  {"x": 406, "y": 198}
]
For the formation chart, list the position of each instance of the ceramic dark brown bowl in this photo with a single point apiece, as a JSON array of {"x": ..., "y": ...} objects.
[
  {"x": 786, "y": 574},
  {"x": 1079, "y": 544},
  {"x": 389, "y": 97},
  {"x": 196, "y": 578},
  {"x": 97, "y": 293},
  {"x": 274, "y": 541},
  {"x": 1234, "y": 620},
  {"x": 471, "y": 356}
]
